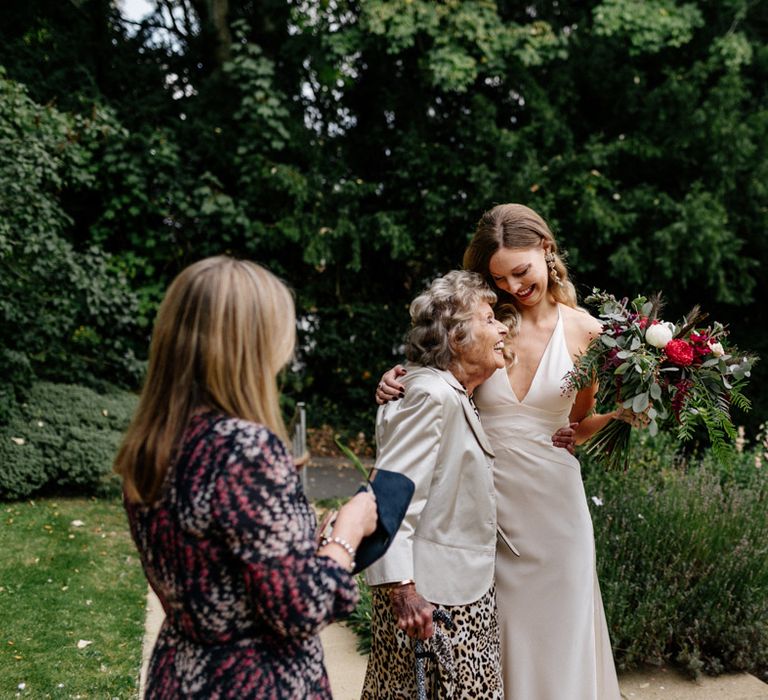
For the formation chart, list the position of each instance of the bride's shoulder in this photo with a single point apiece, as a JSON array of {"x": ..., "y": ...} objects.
[{"x": 581, "y": 326}]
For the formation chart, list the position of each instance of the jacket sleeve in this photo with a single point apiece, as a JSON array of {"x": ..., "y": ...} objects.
[
  {"x": 408, "y": 441},
  {"x": 268, "y": 525}
]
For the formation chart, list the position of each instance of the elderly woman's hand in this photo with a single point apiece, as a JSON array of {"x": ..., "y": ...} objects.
[
  {"x": 389, "y": 389},
  {"x": 566, "y": 437},
  {"x": 412, "y": 611}
]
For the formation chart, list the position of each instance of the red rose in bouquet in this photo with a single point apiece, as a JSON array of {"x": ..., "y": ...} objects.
[
  {"x": 679, "y": 352},
  {"x": 700, "y": 342}
]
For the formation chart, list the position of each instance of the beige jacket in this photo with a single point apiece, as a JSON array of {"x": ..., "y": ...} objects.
[{"x": 447, "y": 542}]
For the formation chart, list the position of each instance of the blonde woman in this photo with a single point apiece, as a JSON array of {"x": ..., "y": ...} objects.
[
  {"x": 214, "y": 502},
  {"x": 554, "y": 637}
]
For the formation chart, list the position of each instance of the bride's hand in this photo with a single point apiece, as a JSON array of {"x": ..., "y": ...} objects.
[
  {"x": 389, "y": 389},
  {"x": 636, "y": 420},
  {"x": 566, "y": 437}
]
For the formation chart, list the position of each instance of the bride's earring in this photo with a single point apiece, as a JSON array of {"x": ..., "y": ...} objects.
[{"x": 549, "y": 257}]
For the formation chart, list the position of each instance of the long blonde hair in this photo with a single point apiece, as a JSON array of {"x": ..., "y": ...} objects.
[
  {"x": 223, "y": 332},
  {"x": 515, "y": 226}
]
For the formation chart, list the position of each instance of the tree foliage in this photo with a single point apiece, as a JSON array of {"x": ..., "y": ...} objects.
[
  {"x": 63, "y": 311},
  {"x": 351, "y": 145}
]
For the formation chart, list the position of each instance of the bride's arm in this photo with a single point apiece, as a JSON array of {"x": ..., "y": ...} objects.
[
  {"x": 589, "y": 423},
  {"x": 582, "y": 412}
]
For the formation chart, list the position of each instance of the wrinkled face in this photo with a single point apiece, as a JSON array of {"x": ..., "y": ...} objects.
[
  {"x": 485, "y": 349},
  {"x": 522, "y": 272}
]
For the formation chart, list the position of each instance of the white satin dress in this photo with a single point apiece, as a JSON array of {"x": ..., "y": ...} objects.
[{"x": 554, "y": 638}]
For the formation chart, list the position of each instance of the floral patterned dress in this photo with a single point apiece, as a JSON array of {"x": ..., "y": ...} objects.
[{"x": 229, "y": 549}]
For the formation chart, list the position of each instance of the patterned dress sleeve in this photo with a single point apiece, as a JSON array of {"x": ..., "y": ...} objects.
[{"x": 269, "y": 526}]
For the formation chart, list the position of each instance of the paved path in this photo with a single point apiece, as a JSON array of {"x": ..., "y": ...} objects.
[
  {"x": 331, "y": 477},
  {"x": 667, "y": 684}
]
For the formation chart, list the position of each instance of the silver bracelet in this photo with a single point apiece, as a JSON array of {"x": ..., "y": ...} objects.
[{"x": 348, "y": 548}]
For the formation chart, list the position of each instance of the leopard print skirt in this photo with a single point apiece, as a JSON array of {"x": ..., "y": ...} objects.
[{"x": 474, "y": 641}]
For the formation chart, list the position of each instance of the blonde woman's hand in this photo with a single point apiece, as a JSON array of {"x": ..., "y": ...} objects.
[
  {"x": 566, "y": 437},
  {"x": 389, "y": 389},
  {"x": 356, "y": 518},
  {"x": 412, "y": 611},
  {"x": 302, "y": 461}
]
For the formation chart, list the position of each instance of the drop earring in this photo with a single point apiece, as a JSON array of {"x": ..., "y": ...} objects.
[{"x": 549, "y": 258}]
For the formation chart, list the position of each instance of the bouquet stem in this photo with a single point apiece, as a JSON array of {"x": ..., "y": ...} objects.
[{"x": 610, "y": 445}]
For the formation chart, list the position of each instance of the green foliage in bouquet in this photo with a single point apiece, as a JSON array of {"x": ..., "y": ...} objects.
[
  {"x": 352, "y": 457},
  {"x": 678, "y": 376}
]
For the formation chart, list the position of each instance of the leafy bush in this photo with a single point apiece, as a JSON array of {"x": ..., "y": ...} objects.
[
  {"x": 344, "y": 351},
  {"x": 682, "y": 558},
  {"x": 360, "y": 619},
  {"x": 62, "y": 437}
]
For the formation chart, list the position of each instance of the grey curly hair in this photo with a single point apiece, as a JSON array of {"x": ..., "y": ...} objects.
[{"x": 440, "y": 317}]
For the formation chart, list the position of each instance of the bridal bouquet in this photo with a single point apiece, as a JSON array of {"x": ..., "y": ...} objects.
[{"x": 674, "y": 375}]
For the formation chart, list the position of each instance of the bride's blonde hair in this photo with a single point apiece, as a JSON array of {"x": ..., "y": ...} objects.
[
  {"x": 223, "y": 332},
  {"x": 515, "y": 226}
]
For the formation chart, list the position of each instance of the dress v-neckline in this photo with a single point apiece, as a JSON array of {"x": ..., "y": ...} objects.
[{"x": 538, "y": 366}]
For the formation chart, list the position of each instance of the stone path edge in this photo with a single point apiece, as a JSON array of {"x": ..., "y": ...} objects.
[{"x": 346, "y": 670}]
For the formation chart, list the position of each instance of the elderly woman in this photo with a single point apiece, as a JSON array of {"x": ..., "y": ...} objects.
[{"x": 443, "y": 554}]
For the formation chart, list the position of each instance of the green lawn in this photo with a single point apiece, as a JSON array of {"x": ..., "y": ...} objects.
[{"x": 62, "y": 582}]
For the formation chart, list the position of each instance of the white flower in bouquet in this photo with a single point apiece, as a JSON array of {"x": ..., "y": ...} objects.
[
  {"x": 717, "y": 349},
  {"x": 659, "y": 334}
]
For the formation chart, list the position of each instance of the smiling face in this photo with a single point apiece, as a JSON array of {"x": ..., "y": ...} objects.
[
  {"x": 522, "y": 273},
  {"x": 483, "y": 353}
]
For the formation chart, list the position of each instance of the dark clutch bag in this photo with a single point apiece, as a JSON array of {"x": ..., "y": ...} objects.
[{"x": 393, "y": 493}]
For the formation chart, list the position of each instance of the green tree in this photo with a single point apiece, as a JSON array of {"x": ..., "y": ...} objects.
[
  {"x": 352, "y": 145},
  {"x": 64, "y": 312}
]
